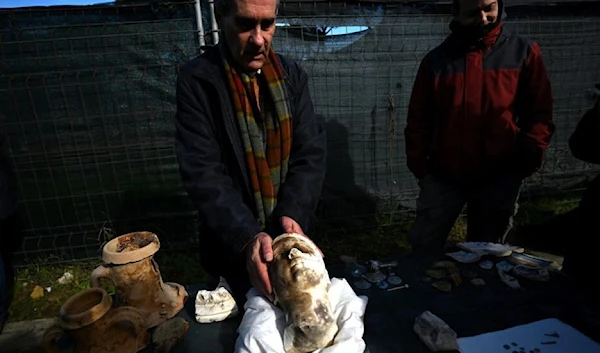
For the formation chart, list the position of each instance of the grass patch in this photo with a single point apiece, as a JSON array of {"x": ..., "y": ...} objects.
[
  {"x": 25, "y": 308},
  {"x": 180, "y": 267},
  {"x": 538, "y": 210}
]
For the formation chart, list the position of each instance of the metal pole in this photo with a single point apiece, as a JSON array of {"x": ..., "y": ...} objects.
[
  {"x": 199, "y": 24},
  {"x": 213, "y": 22}
]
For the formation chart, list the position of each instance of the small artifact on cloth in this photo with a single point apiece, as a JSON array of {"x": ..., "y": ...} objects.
[
  {"x": 398, "y": 288},
  {"x": 478, "y": 282},
  {"x": 455, "y": 276},
  {"x": 435, "y": 333},
  {"x": 443, "y": 286},
  {"x": 469, "y": 273},
  {"x": 504, "y": 266},
  {"x": 374, "y": 277},
  {"x": 531, "y": 273},
  {"x": 383, "y": 285},
  {"x": 464, "y": 256},
  {"x": 509, "y": 280},
  {"x": 436, "y": 274},
  {"x": 394, "y": 280},
  {"x": 362, "y": 284},
  {"x": 443, "y": 265},
  {"x": 486, "y": 265},
  {"x": 376, "y": 265},
  {"x": 168, "y": 334}
]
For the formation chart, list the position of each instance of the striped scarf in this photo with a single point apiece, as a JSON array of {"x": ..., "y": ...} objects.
[{"x": 266, "y": 173}]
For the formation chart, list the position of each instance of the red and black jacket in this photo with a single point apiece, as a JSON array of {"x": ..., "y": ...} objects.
[{"x": 481, "y": 110}]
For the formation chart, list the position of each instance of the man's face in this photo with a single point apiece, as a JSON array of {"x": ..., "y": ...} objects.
[
  {"x": 249, "y": 30},
  {"x": 477, "y": 12}
]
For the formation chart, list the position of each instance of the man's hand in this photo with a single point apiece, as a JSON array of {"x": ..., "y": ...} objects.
[
  {"x": 259, "y": 253},
  {"x": 291, "y": 226}
]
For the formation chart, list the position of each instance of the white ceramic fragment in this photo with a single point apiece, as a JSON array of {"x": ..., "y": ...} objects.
[
  {"x": 464, "y": 256},
  {"x": 532, "y": 273},
  {"x": 508, "y": 279},
  {"x": 486, "y": 265},
  {"x": 485, "y": 248},
  {"x": 215, "y": 305},
  {"x": 66, "y": 278},
  {"x": 504, "y": 266}
]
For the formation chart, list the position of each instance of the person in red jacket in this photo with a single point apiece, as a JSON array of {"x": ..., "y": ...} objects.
[{"x": 479, "y": 122}]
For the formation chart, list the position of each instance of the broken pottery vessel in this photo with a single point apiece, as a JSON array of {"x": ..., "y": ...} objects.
[
  {"x": 300, "y": 284},
  {"x": 131, "y": 267},
  {"x": 88, "y": 323}
]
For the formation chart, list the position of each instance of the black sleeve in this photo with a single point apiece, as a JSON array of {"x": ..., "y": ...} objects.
[
  {"x": 584, "y": 141},
  {"x": 220, "y": 206}
]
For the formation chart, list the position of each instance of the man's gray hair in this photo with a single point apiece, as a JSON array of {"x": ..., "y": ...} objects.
[{"x": 227, "y": 7}]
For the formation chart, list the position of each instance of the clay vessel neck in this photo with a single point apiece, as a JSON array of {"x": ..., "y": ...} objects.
[
  {"x": 84, "y": 308},
  {"x": 130, "y": 248}
]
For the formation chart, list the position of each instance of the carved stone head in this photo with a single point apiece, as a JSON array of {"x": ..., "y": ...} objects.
[{"x": 301, "y": 283}]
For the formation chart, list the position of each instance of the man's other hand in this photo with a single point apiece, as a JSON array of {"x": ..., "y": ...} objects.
[
  {"x": 291, "y": 226},
  {"x": 259, "y": 253}
]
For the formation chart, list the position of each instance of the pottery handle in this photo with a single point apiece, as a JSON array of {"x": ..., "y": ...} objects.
[
  {"x": 99, "y": 272},
  {"x": 133, "y": 316},
  {"x": 51, "y": 337}
]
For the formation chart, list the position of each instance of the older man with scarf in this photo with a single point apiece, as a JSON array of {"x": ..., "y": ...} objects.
[
  {"x": 250, "y": 148},
  {"x": 479, "y": 123}
]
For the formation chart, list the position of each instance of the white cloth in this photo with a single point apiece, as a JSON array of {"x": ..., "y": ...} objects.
[{"x": 261, "y": 329}]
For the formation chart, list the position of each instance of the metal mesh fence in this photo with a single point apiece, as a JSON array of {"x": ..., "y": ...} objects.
[
  {"x": 88, "y": 101},
  {"x": 362, "y": 83}
]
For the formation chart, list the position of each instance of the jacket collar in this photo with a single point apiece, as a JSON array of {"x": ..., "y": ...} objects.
[
  {"x": 211, "y": 61},
  {"x": 487, "y": 41},
  {"x": 208, "y": 65}
]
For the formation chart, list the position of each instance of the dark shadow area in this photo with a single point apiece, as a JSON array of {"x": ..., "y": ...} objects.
[
  {"x": 167, "y": 214},
  {"x": 546, "y": 236},
  {"x": 343, "y": 204},
  {"x": 77, "y": 227}
]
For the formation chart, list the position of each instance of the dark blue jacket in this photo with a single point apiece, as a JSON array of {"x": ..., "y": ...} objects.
[{"x": 212, "y": 163}]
